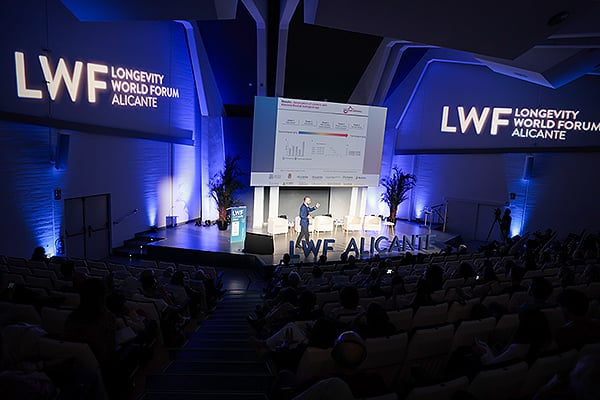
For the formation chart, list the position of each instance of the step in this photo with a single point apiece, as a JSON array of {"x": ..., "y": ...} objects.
[
  {"x": 209, "y": 383},
  {"x": 217, "y": 368},
  {"x": 125, "y": 252},
  {"x": 202, "y": 395},
  {"x": 224, "y": 335},
  {"x": 217, "y": 354},
  {"x": 195, "y": 342}
]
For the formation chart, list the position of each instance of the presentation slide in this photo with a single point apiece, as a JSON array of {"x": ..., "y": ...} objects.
[{"x": 315, "y": 143}]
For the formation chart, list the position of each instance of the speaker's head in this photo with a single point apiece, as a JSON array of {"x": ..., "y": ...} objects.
[{"x": 349, "y": 350}]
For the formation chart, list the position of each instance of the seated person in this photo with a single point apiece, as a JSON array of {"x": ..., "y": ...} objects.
[
  {"x": 516, "y": 277},
  {"x": 487, "y": 283},
  {"x": 176, "y": 289},
  {"x": 316, "y": 281},
  {"x": 145, "y": 328},
  {"x": 348, "y": 353},
  {"x": 581, "y": 383},
  {"x": 150, "y": 288},
  {"x": 464, "y": 271},
  {"x": 376, "y": 323},
  {"x": 349, "y": 303},
  {"x": 533, "y": 337},
  {"x": 94, "y": 324},
  {"x": 540, "y": 290},
  {"x": 184, "y": 295},
  {"x": 39, "y": 254},
  {"x": 579, "y": 329}
]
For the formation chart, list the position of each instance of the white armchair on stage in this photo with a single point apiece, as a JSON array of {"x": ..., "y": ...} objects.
[
  {"x": 372, "y": 223},
  {"x": 311, "y": 226},
  {"x": 352, "y": 223},
  {"x": 277, "y": 225},
  {"x": 323, "y": 223}
]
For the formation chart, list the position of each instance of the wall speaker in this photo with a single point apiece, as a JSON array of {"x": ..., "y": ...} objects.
[
  {"x": 61, "y": 155},
  {"x": 528, "y": 168},
  {"x": 257, "y": 243}
]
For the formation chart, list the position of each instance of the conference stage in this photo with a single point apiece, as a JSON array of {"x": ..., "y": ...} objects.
[{"x": 190, "y": 243}]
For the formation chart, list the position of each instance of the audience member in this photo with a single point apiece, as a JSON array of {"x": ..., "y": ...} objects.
[
  {"x": 579, "y": 329},
  {"x": 377, "y": 323},
  {"x": 348, "y": 353},
  {"x": 349, "y": 303},
  {"x": 94, "y": 324},
  {"x": 464, "y": 271},
  {"x": 533, "y": 337},
  {"x": 39, "y": 254},
  {"x": 581, "y": 383},
  {"x": 434, "y": 276},
  {"x": 516, "y": 277},
  {"x": 540, "y": 291}
]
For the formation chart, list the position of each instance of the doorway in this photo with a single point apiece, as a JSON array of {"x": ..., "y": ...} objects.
[{"x": 87, "y": 227}]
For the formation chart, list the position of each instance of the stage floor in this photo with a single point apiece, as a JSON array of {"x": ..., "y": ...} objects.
[{"x": 209, "y": 241}]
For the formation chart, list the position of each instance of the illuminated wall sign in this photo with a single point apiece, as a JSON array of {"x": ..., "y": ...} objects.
[
  {"x": 521, "y": 123},
  {"x": 461, "y": 108},
  {"x": 130, "y": 78},
  {"x": 127, "y": 87}
]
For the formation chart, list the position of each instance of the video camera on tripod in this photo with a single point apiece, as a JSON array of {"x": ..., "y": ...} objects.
[{"x": 497, "y": 213}]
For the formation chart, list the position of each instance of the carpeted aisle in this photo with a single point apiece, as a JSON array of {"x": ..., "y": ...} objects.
[{"x": 218, "y": 361}]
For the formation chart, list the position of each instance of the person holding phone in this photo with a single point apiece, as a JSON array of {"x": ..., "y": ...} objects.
[{"x": 305, "y": 210}]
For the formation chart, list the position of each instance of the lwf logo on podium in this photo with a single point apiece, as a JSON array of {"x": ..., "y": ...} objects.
[{"x": 381, "y": 244}]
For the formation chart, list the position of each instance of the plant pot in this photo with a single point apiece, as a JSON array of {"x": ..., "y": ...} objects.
[{"x": 222, "y": 225}]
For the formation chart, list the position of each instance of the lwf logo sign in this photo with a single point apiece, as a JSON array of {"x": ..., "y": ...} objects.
[
  {"x": 127, "y": 87},
  {"x": 522, "y": 123},
  {"x": 473, "y": 117}
]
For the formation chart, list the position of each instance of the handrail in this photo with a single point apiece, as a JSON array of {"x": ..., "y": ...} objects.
[
  {"x": 436, "y": 210},
  {"x": 129, "y": 214}
]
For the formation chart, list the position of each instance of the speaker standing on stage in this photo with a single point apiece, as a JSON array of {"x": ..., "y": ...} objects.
[{"x": 305, "y": 210}]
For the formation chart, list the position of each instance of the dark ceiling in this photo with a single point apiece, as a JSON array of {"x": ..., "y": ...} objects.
[{"x": 328, "y": 49}]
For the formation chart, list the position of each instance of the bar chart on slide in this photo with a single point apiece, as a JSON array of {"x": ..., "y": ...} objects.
[{"x": 293, "y": 150}]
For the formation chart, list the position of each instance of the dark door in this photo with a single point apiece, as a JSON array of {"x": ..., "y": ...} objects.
[{"x": 87, "y": 227}]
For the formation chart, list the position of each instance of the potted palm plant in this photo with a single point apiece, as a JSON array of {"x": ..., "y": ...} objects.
[
  {"x": 224, "y": 186},
  {"x": 396, "y": 185}
]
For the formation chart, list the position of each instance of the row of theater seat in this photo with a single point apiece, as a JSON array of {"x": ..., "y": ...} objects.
[{"x": 428, "y": 350}]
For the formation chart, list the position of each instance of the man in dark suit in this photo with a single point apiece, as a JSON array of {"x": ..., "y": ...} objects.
[
  {"x": 305, "y": 210},
  {"x": 505, "y": 223}
]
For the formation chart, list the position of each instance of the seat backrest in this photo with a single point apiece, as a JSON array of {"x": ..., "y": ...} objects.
[
  {"x": 501, "y": 299},
  {"x": 314, "y": 362},
  {"x": 440, "y": 391},
  {"x": 517, "y": 299},
  {"x": 402, "y": 319},
  {"x": 499, "y": 384},
  {"x": 21, "y": 312},
  {"x": 542, "y": 369},
  {"x": 53, "y": 320},
  {"x": 504, "y": 330},
  {"x": 386, "y": 351},
  {"x": 430, "y": 315},
  {"x": 459, "y": 311},
  {"x": 468, "y": 331},
  {"x": 430, "y": 342},
  {"x": 555, "y": 318}
]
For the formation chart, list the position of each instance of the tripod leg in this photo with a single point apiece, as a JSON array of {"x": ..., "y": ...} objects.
[{"x": 487, "y": 239}]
